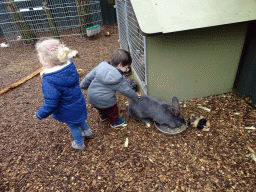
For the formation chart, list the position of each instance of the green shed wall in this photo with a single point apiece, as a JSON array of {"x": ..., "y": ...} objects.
[{"x": 195, "y": 63}]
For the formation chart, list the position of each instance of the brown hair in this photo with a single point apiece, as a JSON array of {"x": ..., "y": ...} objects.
[{"x": 121, "y": 56}]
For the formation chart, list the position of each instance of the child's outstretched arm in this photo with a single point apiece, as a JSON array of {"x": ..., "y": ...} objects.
[
  {"x": 85, "y": 83},
  {"x": 124, "y": 88},
  {"x": 51, "y": 101}
]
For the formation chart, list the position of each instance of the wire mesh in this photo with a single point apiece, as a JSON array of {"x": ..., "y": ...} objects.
[
  {"x": 131, "y": 39},
  {"x": 29, "y": 20},
  {"x": 121, "y": 20}
]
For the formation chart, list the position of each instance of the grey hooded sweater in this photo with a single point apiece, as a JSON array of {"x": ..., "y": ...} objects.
[{"x": 102, "y": 83}]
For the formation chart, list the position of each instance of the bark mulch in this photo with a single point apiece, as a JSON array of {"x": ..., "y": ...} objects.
[{"x": 37, "y": 156}]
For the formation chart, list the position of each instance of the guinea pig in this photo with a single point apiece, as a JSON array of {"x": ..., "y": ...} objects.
[{"x": 199, "y": 122}]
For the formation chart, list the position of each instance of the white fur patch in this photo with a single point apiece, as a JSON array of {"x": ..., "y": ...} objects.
[
  {"x": 4, "y": 45},
  {"x": 72, "y": 54}
]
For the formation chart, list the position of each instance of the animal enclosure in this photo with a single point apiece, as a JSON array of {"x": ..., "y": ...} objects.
[
  {"x": 132, "y": 40},
  {"x": 187, "y": 49},
  {"x": 27, "y": 21},
  {"x": 37, "y": 155}
]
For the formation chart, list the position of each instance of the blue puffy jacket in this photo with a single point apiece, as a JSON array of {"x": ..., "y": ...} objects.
[{"x": 63, "y": 96}]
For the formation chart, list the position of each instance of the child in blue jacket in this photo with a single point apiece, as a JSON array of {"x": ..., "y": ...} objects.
[
  {"x": 62, "y": 94},
  {"x": 104, "y": 81}
]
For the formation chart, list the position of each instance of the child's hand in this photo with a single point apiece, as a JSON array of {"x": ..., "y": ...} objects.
[
  {"x": 139, "y": 96},
  {"x": 35, "y": 116}
]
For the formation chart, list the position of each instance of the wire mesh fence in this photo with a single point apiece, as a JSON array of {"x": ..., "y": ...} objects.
[
  {"x": 29, "y": 20},
  {"x": 121, "y": 20},
  {"x": 132, "y": 40}
]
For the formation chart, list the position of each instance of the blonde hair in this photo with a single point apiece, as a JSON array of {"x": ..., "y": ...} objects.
[{"x": 52, "y": 52}]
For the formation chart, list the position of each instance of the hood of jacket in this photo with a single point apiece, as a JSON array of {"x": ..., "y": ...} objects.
[
  {"x": 107, "y": 74},
  {"x": 66, "y": 76}
]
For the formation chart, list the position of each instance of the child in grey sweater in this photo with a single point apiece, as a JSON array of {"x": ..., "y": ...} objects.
[{"x": 103, "y": 82}]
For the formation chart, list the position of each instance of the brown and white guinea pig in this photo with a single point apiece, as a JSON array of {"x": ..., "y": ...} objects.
[
  {"x": 199, "y": 122},
  {"x": 80, "y": 72}
]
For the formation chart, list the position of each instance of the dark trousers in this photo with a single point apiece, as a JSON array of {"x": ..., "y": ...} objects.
[{"x": 111, "y": 113}]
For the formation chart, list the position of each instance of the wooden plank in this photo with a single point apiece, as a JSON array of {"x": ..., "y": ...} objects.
[{"x": 21, "y": 81}]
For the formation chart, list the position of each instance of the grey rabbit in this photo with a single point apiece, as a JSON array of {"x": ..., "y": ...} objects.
[{"x": 148, "y": 108}]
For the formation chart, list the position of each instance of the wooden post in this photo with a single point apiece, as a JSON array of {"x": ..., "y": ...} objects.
[
  {"x": 83, "y": 15},
  {"x": 53, "y": 28},
  {"x": 25, "y": 30}
]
